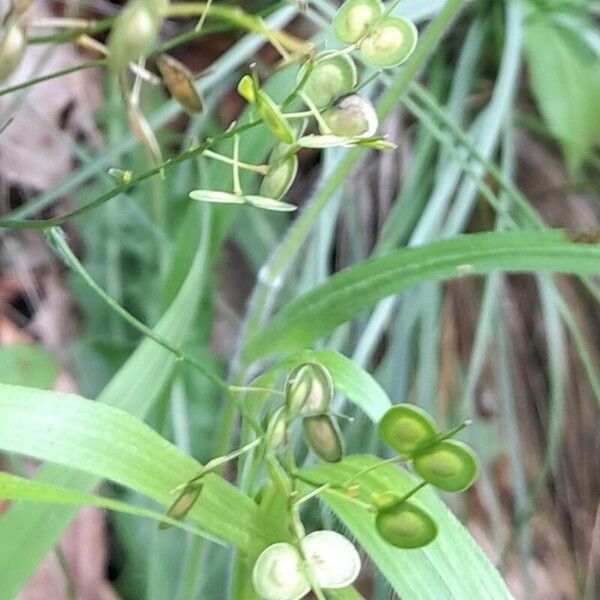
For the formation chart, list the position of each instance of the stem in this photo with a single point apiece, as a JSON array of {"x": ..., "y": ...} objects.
[
  {"x": 200, "y": 23},
  {"x": 387, "y": 461},
  {"x": 64, "y": 23},
  {"x": 240, "y": 389},
  {"x": 124, "y": 186},
  {"x": 58, "y": 243},
  {"x": 237, "y": 188},
  {"x": 315, "y": 113},
  {"x": 337, "y": 490},
  {"x": 260, "y": 169},
  {"x": 80, "y": 67}
]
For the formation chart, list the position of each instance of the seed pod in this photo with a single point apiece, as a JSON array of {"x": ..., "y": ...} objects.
[
  {"x": 323, "y": 437},
  {"x": 13, "y": 41},
  {"x": 182, "y": 504},
  {"x": 134, "y": 32},
  {"x": 281, "y": 173},
  {"x": 406, "y": 428},
  {"x": 353, "y": 116},
  {"x": 333, "y": 558},
  {"x": 273, "y": 119},
  {"x": 353, "y": 19},
  {"x": 276, "y": 427},
  {"x": 278, "y": 573},
  {"x": 180, "y": 82},
  {"x": 449, "y": 465},
  {"x": 269, "y": 203},
  {"x": 405, "y": 525},
  {"x": 246, "y": 89},
  {"x": 330, "y": 78},
  {"x": 216, "y": 197},
  {"x": 308, "y": 390},
  {"x": 389, "y": 43}
]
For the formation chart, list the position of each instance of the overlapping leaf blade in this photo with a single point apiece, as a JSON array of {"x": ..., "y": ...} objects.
[{"x": 358, "y": 288}]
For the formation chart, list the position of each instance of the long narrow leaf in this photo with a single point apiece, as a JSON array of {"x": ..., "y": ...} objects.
[{"x": 358, "y": 288}]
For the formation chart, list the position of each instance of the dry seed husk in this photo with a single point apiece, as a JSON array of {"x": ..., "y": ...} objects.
[
  {"x": 278, "y": 573},
  {"x": 334, "y": 559},
  {"x": 182, "y": 504},
  {"x": 179, "y": 80}
]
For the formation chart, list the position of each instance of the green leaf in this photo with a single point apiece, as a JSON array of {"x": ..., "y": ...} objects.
[
  {"x": 358, "y": 288},
  {"x": 34, "y": 530},
  {"x": 17, "y": 488},
  {"x": 110, "y": 443},
  {"x": 565, "y": 81},
  {"x": 26, "y": 364},
  {"x": 451, "y": 567}
]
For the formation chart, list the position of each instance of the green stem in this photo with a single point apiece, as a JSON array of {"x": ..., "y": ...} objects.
[
  {"x": 79, "y": 67},
  {"x": 260, "y": 169},
  {"x": 58, "y": 242},
  {"x": 125, "y": 185}
]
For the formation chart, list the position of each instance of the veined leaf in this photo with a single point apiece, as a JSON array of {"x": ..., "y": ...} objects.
[
  {"x": 358, "y": 288},
  {"x": 565, "y": 80},
  {"x": 451, "y": 567},
  {"x": 110, "y": 443},
  {"x": 33, "y": 530}
]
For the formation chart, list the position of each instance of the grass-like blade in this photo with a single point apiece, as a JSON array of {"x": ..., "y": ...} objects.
[
  {"x": 358, "y": 288},
  {"x": 110, "y": 443}
]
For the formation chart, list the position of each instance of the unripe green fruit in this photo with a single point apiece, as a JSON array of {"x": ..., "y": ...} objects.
[
  {"x": 406, "y": 428},
  {"x": 405, "y": 525},
  {"x": 449, "y": 465},
  {"x": 330, "y": 78},
  {"x": 13, "y": 41},
  {"x": 354, "y": 18},
  {"x": 281, "y": 173},
  {"x": 353, "y": 116},
  {"x": 389, "y": 43}
]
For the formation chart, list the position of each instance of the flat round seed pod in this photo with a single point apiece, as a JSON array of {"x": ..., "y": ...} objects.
[
  {"x": 406, "y": 428},
  {"x": 331, "y": 77},
  {"x": 405, "y": 525},
  {"x": 216, "y": 197},
  {"x": 449, "y": 465},
  {"x": 269, "y": 203},
  {"x": 182, "y": 504},
  {"x": 273, "y": 119},
  {"x": 278, "y": 574},
  {"x": 179, "y": 80},
  {"x": 333, "y": 558},
  {"x": 353, "y": 116},
  {"x": 308, "y": 390},
  {"x": 281, "y": 173},
  {"x": 353, "y": 19},
  {"x": 391, "y": 41},
  {"x": 323, "y": 437}
]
